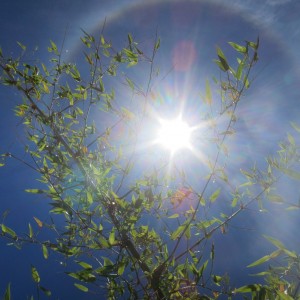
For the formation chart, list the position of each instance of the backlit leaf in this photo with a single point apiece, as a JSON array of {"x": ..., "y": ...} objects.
[
  {"x": 38, "y": 221},
  {"x": 35, "y": 275},
  {"x": 260, "y": 261},
  {"x": 7, "y": 295},
  {"x": 291, "y": 173},
  {"x": 8, "y": 230},
  {"x": 208, "y": 96},
  {"x": 45, "y": 251},
  {"x": 85, "y": 265},
  {"x": 295, "y": 126},
  {"x": 81, "y": 287},
  {"x": 30, "y": 230},
  {"x": 121, "y": 267},
  {"x": 111, "y": 238},
  {"x": 275, "y": 242},
  {"x": 215, "y": 195},
  {"x": 174, "y": 216},
  {"x": 237, "y": 47},
  {"x": 177, "y": 232},
  {"x": 46, "y": 291}
]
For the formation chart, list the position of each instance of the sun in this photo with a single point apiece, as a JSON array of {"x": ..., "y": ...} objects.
[{"x": 174, "y": 134}]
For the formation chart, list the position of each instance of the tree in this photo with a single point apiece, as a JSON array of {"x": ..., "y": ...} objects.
[{"x": 109, "y": 215}]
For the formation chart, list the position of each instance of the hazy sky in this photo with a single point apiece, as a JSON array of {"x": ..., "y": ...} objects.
[{"x": 192, "y": 26}]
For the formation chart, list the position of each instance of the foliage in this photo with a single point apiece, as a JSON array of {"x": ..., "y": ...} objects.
[{"x": 109, "y": 215}]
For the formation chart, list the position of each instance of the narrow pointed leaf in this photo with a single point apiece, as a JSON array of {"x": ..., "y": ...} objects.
[
  {"x": 81, "y": 287},
  {"x": 275, "y": 242},
  {"x": 45, "y": 251},
  {"x": 177, "y": 232},
  {"x": 7, "y": 295},
  {"x": 215, "y": 195},
  {"x": 291, "y": 173},
  {"x": 35, "y": 275},
  {"x": 8, "y": 230}
]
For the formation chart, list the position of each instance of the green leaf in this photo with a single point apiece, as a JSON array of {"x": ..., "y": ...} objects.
[
  {"x": 275, "y": 198},
  {"x": 295, "y": 126},
  {"x": 208, "y": 96},
  {"x": 45, "y": 251},
  {"x": 85, "y": 265},
  {"x": 188, "y": 232},
  {"x": 260, "y": 261},
  {"x": 107, "y": 262},
  {"x": 265, "y": 258},
  {"x": 234, "y": 202},
  {"x": 222, "y": 60},
  {"x": 22, "y": 46},
  {"x": 290, "y": 253},
  {"x": 248, "y": 288},
  {"x": 215, "y": 195},
  {"x": 174, "y": 216},
  {"x": 177, "y": 232},
  {"x": 130, "y": 39},
  {"x": 111, "y": 238},
  {"x": 130, "y": 83},
  {"x": 35, "y": 275},
  {"x": 239, "y": 71},
  {"x": 217, "y": 279},
  {"x": 38, "y": 221},
  {"x": 104, "y": 243},
  {"x": 34, "y": 191},
  {"x": 237, "y": 47},
  {"x": 157, "y": 44},
  {"x": 81, "y": 287},
  {"x": 89, "y": 198},
  {"x": 8, "y": 230},
  {"x": 275, "y": 242},
  {"x": 291, "y": 173},
  {"x": 7, "y": 295},
  {"x": 46, "y": 291},
  {"x": 121, "y": 267}
]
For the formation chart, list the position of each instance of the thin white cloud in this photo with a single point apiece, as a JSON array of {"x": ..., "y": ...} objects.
[{"x": 277, "y": 2}]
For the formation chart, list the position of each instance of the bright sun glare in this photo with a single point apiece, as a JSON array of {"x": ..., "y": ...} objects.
[{"x": 174, "y": 134}]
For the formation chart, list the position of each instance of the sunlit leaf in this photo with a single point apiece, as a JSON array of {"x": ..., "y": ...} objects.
[
  {"x": 260, "y": 261},
  {"x": 215, "y": 195},
  {"x": 7, "y": 295},
  {"x": 275, "y": 242},
  {"x": 157, "y": 44},
  {"x": 291, "y": 173},
  {"x": 121, "y": 267},
  {"x": 237, "y": 47},
  {"x": 248, "y": 288},
  {"x": 208, "y": 96},
  {"x": 45, "y": 251},
  {"x": 81, "y": 287},
  {"x": 8, "y": 230},
  {"x": 111, "y": 238},
  {"x": 35, "y": 275},
  {"x": 46, "y": 291},
  {"x": 188, "y": 232},
  {"x": 85, "y": 265},
  {"x": 275, "y": 198},
  {"x": 234, "y": 201},
  {"x": 34, "y": 191},
  {"x": 21, "y": 46},
  {"x": 222, "y": 60},
  {"x": 174, "y": 216},
  {"x": 38, "y": 221},
  {"x": 175, "y": 234},
  {"x": 295, "y": 126}
]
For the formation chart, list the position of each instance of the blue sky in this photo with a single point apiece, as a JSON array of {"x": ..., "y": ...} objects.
[{"x": 264, "y": 119}]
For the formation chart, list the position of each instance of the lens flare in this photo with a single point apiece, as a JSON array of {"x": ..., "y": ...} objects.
[{"x": 174, "y": 134}]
